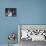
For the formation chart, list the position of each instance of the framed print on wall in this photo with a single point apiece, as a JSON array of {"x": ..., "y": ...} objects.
[{"x": 10, "y": 11}]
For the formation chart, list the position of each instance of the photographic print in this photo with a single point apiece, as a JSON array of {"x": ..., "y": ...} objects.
[{"x": 10, "y": 11}]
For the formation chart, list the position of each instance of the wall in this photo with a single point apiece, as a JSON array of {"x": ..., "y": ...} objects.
[{"x": 28, "y": 12}]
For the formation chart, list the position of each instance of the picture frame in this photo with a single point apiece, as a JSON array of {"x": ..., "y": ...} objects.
[{"x": 10, "y": 12}]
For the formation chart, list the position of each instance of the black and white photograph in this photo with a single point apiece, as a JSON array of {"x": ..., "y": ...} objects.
[{"x": 10, "y": 11}]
